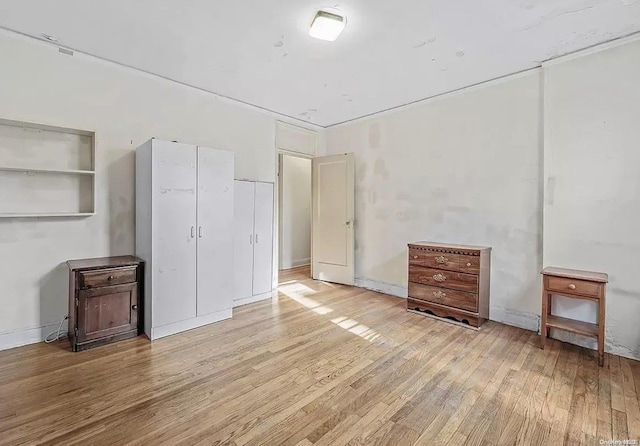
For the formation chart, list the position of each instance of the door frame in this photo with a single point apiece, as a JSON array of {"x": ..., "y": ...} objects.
[
  {"x": 294, "y": 140},
  {"x": 278, "y": 210}
]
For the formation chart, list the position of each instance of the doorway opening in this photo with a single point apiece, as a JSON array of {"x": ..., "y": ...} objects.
[{"x": 295, "y": 200}]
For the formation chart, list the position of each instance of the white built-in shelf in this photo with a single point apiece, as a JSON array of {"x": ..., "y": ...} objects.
[
  {"x": 46, "y": 171},
  {"x": 52, "y": 171},
  {"x": 52, "y": 214}
]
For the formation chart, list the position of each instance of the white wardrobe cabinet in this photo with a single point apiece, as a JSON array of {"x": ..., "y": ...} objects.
[
  {"x": 184, "y": 231},
  {"x": 253, "y": 252}
]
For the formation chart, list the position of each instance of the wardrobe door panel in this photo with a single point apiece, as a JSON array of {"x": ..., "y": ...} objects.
[
  {"x": 243, "y": 238},
  {"x": 263, "y": 246},
  {"x": 215, "y": 230},
  {"x": 173, "y": 231}
]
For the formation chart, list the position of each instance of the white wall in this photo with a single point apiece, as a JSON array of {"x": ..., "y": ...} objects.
[
  {"x": 462, "y": 169},
  {"x": 592, "y": 191},
  {"x": 295, "y": 212},
  {"x": 125, "y": 108},
  {"x": 476, "y": 167}
]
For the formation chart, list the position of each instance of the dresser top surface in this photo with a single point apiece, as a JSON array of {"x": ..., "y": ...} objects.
[
  {"x": 451, "y": 246},
  {"x": 576, "y": 274},
  {"x": 103, "y": 262}
]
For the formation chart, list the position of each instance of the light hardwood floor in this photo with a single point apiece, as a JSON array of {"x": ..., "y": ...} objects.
[{"x": 324, "y": 365}]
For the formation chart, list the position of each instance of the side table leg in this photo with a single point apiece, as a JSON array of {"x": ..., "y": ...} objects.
[
  {"x": 543, "y": 318},
  {"x": 601, "y": 318}
]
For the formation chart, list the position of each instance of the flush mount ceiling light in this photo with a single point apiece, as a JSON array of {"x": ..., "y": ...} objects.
[{"x": 327, "y": 25}]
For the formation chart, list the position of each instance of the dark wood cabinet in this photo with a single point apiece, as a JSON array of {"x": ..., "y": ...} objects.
[{"x": 105, "y": 296}]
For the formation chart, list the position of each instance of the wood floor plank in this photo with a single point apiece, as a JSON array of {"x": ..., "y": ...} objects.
[
  {"x": 323, "y": 364},
  {"x": 630, "y": 399}
]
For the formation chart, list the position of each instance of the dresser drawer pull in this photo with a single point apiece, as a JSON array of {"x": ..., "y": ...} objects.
[
  {"x": 441, "y": 259},
  {"x": 110, "y": 278},
  {"x": 468, "y": 263},
  {"x": 415, "y": 257},
  {"x": 439, "y": 294},
  {"x": 572, "y": 286},
  {"x": 439, "y": 277}
]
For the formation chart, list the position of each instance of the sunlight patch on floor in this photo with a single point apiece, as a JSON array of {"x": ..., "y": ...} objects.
[{"x": 299, "y": 292}]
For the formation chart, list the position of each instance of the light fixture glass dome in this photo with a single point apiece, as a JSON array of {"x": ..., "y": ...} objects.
[{"x": 327, "y": 25}]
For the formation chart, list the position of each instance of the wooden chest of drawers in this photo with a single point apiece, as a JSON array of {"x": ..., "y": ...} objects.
[
  {"x": 104, "y": 300},
  {"x": 450, "y": 281}
]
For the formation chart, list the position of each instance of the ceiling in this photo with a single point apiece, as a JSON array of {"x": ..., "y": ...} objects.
[{"x": 391, "y": 52}]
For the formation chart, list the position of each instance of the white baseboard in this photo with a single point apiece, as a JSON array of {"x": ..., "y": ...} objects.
[
  {"x": 252, "y": 299},
  {"x": 382, "y": 287},
  {"x": 297, "y": 263},
  {"x": 189, "y": 324},
  {"x": 26, "y": 336}
]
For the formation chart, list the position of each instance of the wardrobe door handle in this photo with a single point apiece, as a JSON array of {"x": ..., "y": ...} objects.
[
  {"x": 193, "y": 231},
  {"x": 200, "y": 232},
  {"x": 256, "y": 239}
]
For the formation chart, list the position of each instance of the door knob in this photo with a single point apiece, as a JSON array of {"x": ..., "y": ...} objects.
[{"x": 134, "y": 307}]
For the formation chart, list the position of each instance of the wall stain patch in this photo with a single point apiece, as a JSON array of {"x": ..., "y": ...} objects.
[
  {"x": 373, "y": 197},
  {"x": 380, "y": 169}
]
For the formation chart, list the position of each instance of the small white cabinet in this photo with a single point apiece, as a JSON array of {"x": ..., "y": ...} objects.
[
  {"x": 253, "y": 252},
  {"x": 184, "y": 231}
]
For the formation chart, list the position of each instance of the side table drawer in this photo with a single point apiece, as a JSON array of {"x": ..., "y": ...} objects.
[
  {"x": 107, "y": 277},
  {"x": 565, "y": 285}
]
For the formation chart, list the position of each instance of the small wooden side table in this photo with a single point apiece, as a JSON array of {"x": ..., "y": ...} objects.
[{"x": 577, "y": 285}]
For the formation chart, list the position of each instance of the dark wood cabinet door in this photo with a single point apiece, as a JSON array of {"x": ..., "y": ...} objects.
[{"x": 107, "y": 311}]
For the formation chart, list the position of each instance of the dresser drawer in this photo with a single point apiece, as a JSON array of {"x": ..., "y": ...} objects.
[
  {"x": 107, "y": 277},
  {"x": 416, "y": 256},
  {"x": 444, "y": 296},
  {"x": 470, "y": 264},
  {"x": 564, "y": 285},
  {"x": 442, "y": 260},
  {"x": 445, "y": 279}
]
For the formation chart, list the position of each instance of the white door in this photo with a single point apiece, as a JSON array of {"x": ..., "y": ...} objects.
[
  {"x": 332, "y": 222},
  {"x": 173, "y": 232},
  {"x": 215, "y": 231},
  {"x": 243, "y": 239},
  {"x": 263, "y": 246}
]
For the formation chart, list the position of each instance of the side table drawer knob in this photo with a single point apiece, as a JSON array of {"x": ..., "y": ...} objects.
[
  {"x": 572, "y": 286},
  {"x": 415, "y": 257},
  {"x": 468, "y": 263},
  {"x": 441, "y": 259}
]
